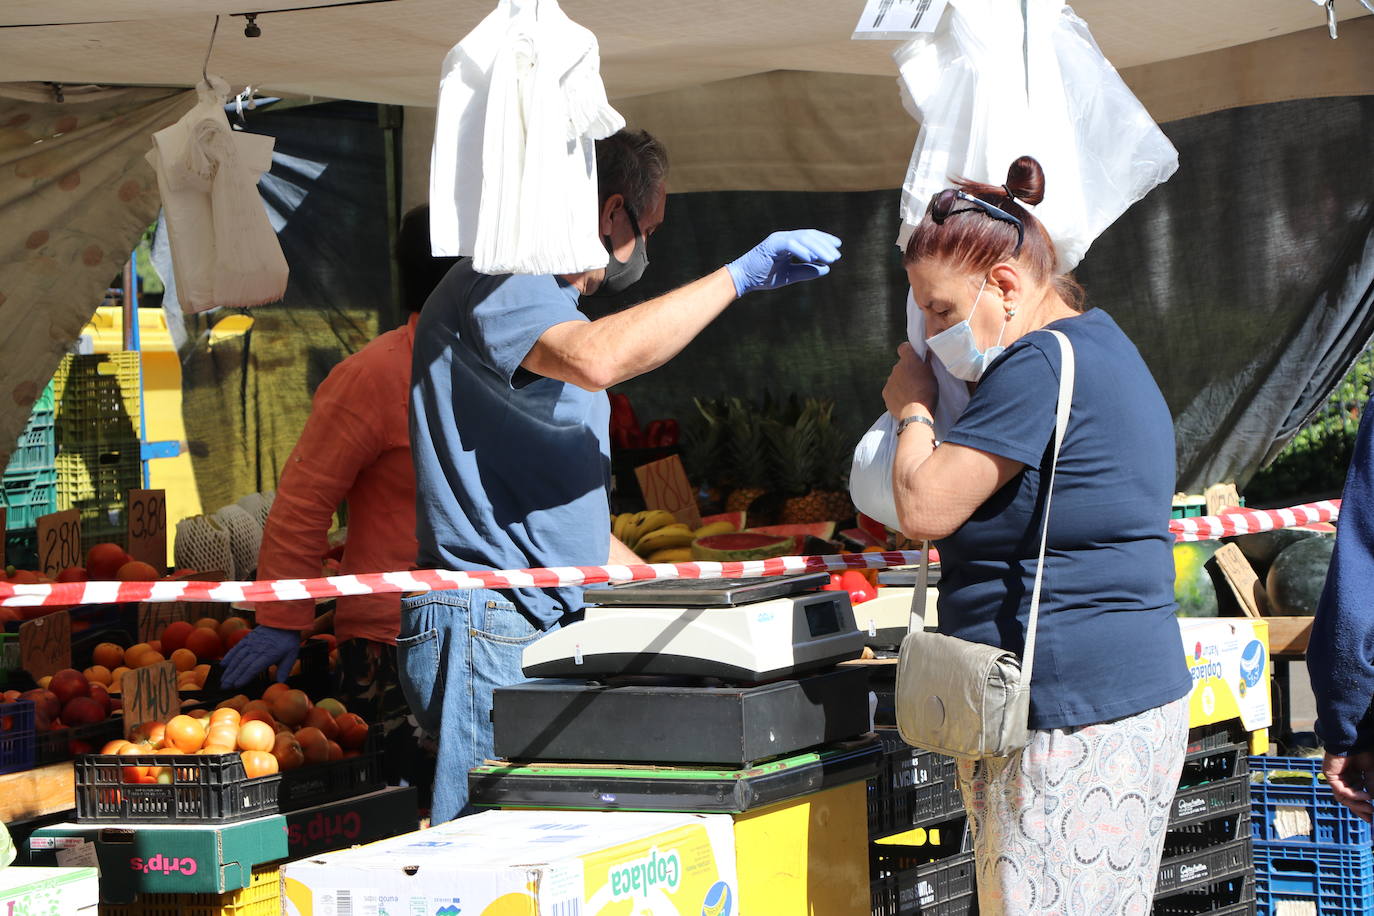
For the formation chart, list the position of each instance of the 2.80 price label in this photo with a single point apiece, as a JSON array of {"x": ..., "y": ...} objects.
[
  {"x": 148, "y": 527},
  {"x": 59, "y": 541}
]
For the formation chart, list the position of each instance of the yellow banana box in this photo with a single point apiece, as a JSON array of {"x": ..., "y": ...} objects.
[
  {"x": 529, "y": 863},
  {"x": 1228, "y": 658}
]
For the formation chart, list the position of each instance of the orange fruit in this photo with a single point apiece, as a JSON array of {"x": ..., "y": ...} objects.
[
  {"x": 104, "y": 560},
  {"x": 335, "y": 752},
  {"x": 108, "y": 654},
  {"x": 207, "y": 623},
  {"x": 222, "y": 734},
  {"x": 205, "y": 643},
  {"x": 319, "y": 717},
  {"x": 236, "y": 702},
  {"x": 274, "y": 690},
  {"x": 185, "y": 734},
  {"x": 256, "y": 736},
  {"x": 184, "y": 659},
  {"x": 150, "y": 658},
  {"x": 231, "y": 625},
  {"x": 150, "y": 733},
  {"x": 136, "y": 652},
  {"x": 136, "y": 571},
  {"x": 98, "y": 674},
  {"x": 226, "y": 714},
  {"x": 314, "y": 744},
  {"x": 258, "y": 763},
  {"x": 174, "y": 635}
]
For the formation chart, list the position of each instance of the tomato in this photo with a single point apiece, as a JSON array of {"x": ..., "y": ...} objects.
[
  {"x": 858, "y": 586},
  {"x": 836, "y": 584}
]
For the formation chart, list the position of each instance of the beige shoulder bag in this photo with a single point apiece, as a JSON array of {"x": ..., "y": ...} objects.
[{"x": 963, "y": 698}]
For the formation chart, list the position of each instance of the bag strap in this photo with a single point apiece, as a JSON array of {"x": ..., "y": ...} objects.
[{"x": 1061, "y": 422}]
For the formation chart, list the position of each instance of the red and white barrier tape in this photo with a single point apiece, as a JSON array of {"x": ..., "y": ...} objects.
[{"x": 1237, "y": 521}]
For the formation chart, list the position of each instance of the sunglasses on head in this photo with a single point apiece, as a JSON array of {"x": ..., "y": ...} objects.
[{"x": 943, "y": 207}]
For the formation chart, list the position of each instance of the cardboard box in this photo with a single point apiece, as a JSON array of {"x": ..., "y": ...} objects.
[
  {"x": 352, "y": 822},
  {"x": 549, "y": 863},
  {"x": 27, "y": 891},
  {"x": 147, "y": 859},
  {"x": 1228, "y": 658}
]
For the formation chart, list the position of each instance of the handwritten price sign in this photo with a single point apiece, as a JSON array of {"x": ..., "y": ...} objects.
[
  {"x": 45, "y": 644},
  {"x": 150, "y": 695},
  {"x": 59, "y": 541},
  {"x": 664, "y": 485},
  {"x": 148, "y": 527},
  {"x": 154, "y": 618}
]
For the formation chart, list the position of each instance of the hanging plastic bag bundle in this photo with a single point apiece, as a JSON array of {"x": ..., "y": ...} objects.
[
  {"x": 513, "y": 168},
  {"x": 988, "y": 86},
  {"x": 224, "y": 249}
]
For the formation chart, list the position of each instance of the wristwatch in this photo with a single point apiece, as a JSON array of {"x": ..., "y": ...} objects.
[{"x": 903, "y": 423}]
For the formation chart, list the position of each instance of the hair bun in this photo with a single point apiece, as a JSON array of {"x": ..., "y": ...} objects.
[{"x": 1026, "y": 180}]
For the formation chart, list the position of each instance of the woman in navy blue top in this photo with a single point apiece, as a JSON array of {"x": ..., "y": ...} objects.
[{"x": 1074, "y": 822}]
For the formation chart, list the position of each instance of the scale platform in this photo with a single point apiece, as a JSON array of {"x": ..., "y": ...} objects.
[
  {"x": 742, "y": 630},
  {"x": 616, "y": 787},
  {"x": 678, "y": 723}
]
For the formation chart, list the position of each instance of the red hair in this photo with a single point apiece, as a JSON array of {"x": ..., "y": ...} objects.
[{"x": 975, "y": 242}]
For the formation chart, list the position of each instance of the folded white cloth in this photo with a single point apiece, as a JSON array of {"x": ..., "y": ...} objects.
[
  {"x": 513, "y": 167},
  {"x": 224, "y": 250}
]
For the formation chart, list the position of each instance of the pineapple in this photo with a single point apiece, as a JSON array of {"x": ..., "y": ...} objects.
[
  {"x": 794, "y": 447},
  {"x": 826, "y": 498},
  {"x": 704, "y": 439},
  {"x": 748, "y": 455}
]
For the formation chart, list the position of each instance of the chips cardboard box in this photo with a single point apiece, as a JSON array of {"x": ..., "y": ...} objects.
[
  {"x": 1228, "y": 658},
  {"x": 28, "y": 891},
  {"x": 157, "y": 859},
  {"x": 530, "y": 863},
  {"x": 351, "y": 822}
]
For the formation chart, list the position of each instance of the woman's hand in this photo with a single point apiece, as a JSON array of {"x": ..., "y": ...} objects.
[{"x": 911, "y": 383}]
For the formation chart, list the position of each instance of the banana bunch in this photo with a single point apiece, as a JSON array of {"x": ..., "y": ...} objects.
[{"x": 659, "y": 537}]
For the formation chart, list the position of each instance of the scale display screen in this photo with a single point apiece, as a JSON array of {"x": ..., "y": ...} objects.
[{"x": 822, "y": 618}]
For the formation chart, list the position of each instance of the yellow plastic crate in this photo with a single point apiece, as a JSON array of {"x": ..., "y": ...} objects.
[{"x": 260, "y": 898}]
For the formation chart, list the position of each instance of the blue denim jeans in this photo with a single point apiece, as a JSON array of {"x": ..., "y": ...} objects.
[{"x": 456, "y": 647}]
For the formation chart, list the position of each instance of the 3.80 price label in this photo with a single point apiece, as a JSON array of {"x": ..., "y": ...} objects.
[
  {"x": 59, "y": 541},
  {"x": 148, "y": 527}
]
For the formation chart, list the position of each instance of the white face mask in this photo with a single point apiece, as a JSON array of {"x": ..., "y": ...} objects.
[{"x": 958, "y": 351}]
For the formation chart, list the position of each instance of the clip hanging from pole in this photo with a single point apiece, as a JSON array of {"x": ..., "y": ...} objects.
[{"x": 205, "y": 67}]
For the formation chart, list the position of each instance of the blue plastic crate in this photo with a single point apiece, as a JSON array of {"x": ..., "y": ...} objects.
[
  {"x": 1336, "y": 879},
  {"x": 16, "y": 736},
  {"x": 1332, "y": 822}
]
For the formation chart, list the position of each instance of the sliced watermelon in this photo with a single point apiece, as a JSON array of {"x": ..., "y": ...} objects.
[
  {"x": 734, "y": 518},
  {"x": 745, "y": 545},
  {"x": 823, "y": 530}
]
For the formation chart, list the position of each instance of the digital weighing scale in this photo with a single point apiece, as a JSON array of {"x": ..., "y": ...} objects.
[{"x": 740, "y": 630}]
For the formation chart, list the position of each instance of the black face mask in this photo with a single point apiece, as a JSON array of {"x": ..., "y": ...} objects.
[{"x": 621, "y": 275}]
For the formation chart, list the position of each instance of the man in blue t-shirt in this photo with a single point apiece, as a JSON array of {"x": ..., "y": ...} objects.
[{"x": 509, "y": 427}]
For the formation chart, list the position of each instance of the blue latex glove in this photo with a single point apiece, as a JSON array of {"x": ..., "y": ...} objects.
[
  {"x": 256, "y": 652},
  {"x": 783, "y": 258}
]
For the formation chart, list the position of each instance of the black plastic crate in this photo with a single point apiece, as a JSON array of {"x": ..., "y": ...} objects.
[
  {"x": 1214, "y": 764},
  {"x": 1203, "y": 739},
  {"x": 943, "y": 888},
  {"x": 1209, "y": 800},
  {"x": 913, "y": 788},
  {"x": 1232, "y": 897},
  {"x": 56, "y": 746},
  {"x": 204, "y": 789},
  {"x": 338, "y": 779},
  {"x": 1204, "y": 867},
  {"x": 1202, "y": 835}
]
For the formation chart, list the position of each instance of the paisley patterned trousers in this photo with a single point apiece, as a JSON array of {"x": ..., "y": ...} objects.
[{"x": 1074, "y": 823}]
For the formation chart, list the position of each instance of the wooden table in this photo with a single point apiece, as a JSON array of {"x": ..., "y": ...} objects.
[{"x": 1288, "y": 638}]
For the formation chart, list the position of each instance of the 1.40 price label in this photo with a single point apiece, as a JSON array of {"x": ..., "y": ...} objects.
[
  {"x": 148, "y": 527},
  {"x": 59, "y": 541},
  {"x": 150, "y": 695}
]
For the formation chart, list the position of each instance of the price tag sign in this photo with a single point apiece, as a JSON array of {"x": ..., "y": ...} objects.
[
  {"x": 664, "y": 485},
  {"x": 59, "y": 541},
  {"x": 154, "y": 617},
  {"x": 148, "y": 527},
  {"x": 150, "y": 695},
  {"x": 45, "y": 644}
]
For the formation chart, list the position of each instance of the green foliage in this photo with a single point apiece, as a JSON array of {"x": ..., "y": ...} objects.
[
  {"x": 1314, "y": 463},
  {"x": 790, "y": 445}
]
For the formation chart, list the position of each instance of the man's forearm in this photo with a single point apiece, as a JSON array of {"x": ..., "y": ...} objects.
[
  {"x": 622, "y": 555},
  {"x": 598, "y": 354}
]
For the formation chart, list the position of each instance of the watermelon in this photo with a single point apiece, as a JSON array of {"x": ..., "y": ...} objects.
[
  {"x": 736, "y": 519},
  {"x": 744, "y": 545},
  {"x": 1194, "y": 589},
  {"x": 1297, "y": 577},
  {"x": 809, "y": 532},
  {"x": 1263, "y": 547}
]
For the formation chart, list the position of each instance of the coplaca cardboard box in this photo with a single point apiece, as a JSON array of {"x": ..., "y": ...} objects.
[
  {"x": 523, "y": 863},
  {"x": 1228, "y": 658},
  {"x": 28, "y": 891}
]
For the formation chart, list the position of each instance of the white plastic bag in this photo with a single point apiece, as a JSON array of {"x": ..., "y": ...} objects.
[
  {"x": 979, "y": 108},
  {"x": 870, "y": 474}
]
